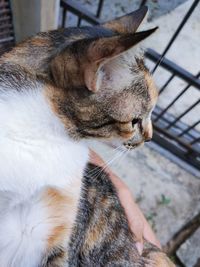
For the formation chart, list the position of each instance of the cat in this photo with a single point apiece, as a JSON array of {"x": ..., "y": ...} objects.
[{"x": 57, "y": 90}]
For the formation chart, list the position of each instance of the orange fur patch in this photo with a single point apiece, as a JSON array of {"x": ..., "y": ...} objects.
[{"x": 62, "y": 209}]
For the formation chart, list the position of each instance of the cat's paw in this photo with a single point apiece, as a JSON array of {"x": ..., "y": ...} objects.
[{"x": 158, "y": 259}]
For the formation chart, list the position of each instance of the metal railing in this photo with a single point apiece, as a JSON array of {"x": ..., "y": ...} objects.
[
  {"x": 170, "y": 131},
  {"x": 6, "y": 27}
]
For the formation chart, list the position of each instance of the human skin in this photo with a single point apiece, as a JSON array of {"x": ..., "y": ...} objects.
[{"x": 137, "y": 221}]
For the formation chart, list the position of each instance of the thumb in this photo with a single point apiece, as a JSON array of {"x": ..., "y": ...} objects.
[{"x": 134, "y": 216}]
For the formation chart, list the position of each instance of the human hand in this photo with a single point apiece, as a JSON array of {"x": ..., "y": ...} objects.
[{"x": 138, "y": 223}]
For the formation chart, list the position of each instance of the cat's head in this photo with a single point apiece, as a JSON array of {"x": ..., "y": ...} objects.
[{"x": 101, "y": 87}]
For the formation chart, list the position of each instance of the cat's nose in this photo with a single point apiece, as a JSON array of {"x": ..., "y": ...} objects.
[{"x": 148, "y": 132}]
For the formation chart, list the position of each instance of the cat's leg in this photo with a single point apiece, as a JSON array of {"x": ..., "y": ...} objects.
[{"x": 153, "y": 257}]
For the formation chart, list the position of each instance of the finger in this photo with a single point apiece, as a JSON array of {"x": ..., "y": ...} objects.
[
  {"x": 133, "y": 213},
  {"x": 139, "y": 247},
  {"x": 96, "y": 159}
]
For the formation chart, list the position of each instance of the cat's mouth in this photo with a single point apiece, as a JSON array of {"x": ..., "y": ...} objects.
[{"x": 129, "y": 145}]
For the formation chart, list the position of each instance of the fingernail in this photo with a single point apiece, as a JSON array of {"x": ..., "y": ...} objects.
[{"x": 139, "y": 247}]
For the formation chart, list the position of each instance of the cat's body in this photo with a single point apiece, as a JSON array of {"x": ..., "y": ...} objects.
[
  {"x": 55, "y": 90},
  {"x": 103, "y": 237},
  {"x": 33, "y": 165}
]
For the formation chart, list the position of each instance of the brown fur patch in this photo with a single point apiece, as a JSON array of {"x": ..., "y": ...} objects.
[
  {"x": 95, "y": 232},
  {"x": 158, "y": 259},
  {"x": 56, "y": 97},
  {"x": 39, "y": 42}
]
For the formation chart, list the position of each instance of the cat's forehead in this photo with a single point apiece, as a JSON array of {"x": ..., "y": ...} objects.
[
  {"x": 132, "y": 91},
  {"x": 128, "y": 103},
  {"x": 126, "y": 72}
]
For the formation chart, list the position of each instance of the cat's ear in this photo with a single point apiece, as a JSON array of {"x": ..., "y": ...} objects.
[
  {"x": 128, "y": 23},
  {"x": 102, "y": 50}
]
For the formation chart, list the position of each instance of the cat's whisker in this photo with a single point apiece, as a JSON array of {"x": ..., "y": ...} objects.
[
  {"x": 107, "y": 164},
  {"x": 99, "y": 169},
  {"x": 118, "y": 148},
  {"x": 119, "y": 157}
]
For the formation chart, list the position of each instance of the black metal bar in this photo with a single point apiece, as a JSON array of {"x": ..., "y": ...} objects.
[
  {"x": 179, "y": 141},
  {"x": 6, "y": 26},
  {"x": 143, "y": 3},
  {"x": 5, "y": 19},
  {"x": 79, "y": 21},
  {"x": 175, "y": 99},
  {"x": 78, "y": 10},
  {"x": 158, "y": 138},
  {"x": 171, "y": 135},
  {"x": 4, "y": 4},
  {"x": 189, "y": 128},
  {"x": 195, "y": 141},
  {"x": 64, "y": 17},
  {"x": 174, "y": 68},
  {"x": 188, "y": 14},
  {"x": 180, "y": 126},
  {"x": 99, "y": 9},
  {"x": 7, "y": 39},
  {"x": 166, "y": 84},
  {"x": 5, "y": 11},
  {"x": 183, "y": 114}
]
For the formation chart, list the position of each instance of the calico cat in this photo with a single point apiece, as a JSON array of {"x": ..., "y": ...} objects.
[{"x": 58, "y": 89}]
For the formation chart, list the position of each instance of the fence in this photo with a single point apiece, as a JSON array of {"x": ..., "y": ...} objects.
[
  {"x": 170, "y": 131},
  {"x": 6, "y": 27}
]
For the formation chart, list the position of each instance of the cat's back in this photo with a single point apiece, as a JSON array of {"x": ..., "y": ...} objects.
[{"x": 102, "y": 237}]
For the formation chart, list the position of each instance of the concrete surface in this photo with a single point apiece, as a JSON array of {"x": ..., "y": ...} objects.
[
  {"x": 115, "y": 8},
  {"x": 189, "y": 252}
]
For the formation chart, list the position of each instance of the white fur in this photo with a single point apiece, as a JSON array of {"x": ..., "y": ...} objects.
[
  {"x": 35, "y": 152},
  {"x": 116, "y": 74},
  {"x": 23, "y": 233}
]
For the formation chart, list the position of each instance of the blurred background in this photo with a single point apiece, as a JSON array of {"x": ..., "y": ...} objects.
[{"x": 164, "y": 176}]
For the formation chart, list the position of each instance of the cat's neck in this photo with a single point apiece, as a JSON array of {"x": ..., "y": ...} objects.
[{"x": 35, "y": 148}]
